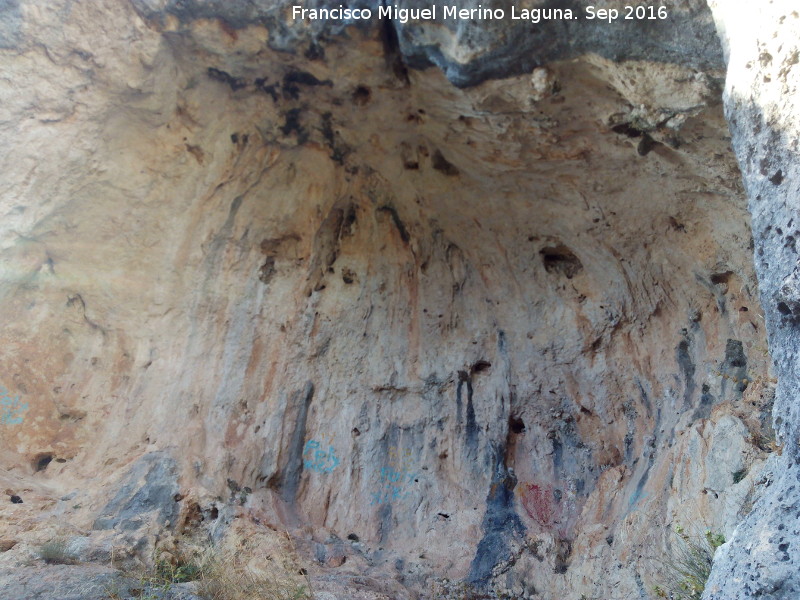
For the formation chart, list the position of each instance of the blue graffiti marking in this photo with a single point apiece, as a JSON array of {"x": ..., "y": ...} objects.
[
  {"x": 12, "y": 411},
  {"x": 392, "y": 485},
  {"x": 388, "y": 493},
  {"x": 316, "y": 459}
]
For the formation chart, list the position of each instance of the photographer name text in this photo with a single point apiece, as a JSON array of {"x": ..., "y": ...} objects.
[{"x": 634, "y": 12}]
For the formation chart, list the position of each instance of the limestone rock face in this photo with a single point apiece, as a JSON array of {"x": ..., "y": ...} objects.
[
  {"x": 762, "y": 106},
  {"x": 495, "y": 322}
]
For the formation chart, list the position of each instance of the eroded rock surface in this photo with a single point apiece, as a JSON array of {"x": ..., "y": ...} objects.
[
  {"x": 762, "y": 107},
  {"x": 505, "y": 333}
]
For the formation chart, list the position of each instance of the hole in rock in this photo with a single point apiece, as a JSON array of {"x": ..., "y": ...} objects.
[
  {"x": 481, "y": 366},
  {"x": 42, "y": 461},
  {"x": 721, "y": 278},
  {"x": 627, "y": 129},
  {"x": 516, "y": 425},
  {"x": 561, "y": 260},
  {"x": 362, "y": 95}
]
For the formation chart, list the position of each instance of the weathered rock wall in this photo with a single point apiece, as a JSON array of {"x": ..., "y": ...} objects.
[
  {"x": 508, "y": 333},
  {"x": 762, "y": 108}
]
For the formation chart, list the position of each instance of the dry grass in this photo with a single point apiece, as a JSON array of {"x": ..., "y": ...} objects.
[
  {"x": 445, "y": 589},
  {"x": 248, "y": 573},
  {"x": 153, "y": 582},
  {"x": 55, "y": 552},
  {"x": 245, "y": 565}
]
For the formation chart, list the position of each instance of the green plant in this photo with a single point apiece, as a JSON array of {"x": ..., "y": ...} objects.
[
  {"x": 55, "y": 552},
  {"x": 687, "y": 569}
]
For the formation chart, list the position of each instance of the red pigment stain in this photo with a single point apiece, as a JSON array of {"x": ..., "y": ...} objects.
[{"x": 538, "y": 502}]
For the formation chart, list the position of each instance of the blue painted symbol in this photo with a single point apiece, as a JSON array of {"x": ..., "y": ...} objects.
[
  {"x": 12, "y": 411},
  {"x": 316, "y": 459},
  {"x": 392, "y": 486}
]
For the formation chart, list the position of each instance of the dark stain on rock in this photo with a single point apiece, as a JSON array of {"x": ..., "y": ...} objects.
[
  {"x": 271, "y": 90},
  {"x": 462, "y": 377},
  {"x": 229, "y": 30},
  {"x": 294, "y": 79},
  {"x": 197, "y": 152},
  {"x": 686, "y": 364},
  {"x": 327, "y": 244},
  {"x": 734, "y": 366},
  {"x": 677, "y": 225},
  {"x": 362, "y": 95},
  {"x": 734, "y": 355},
  {"x": 501, "y": 524},
  {"x": 637, "y": 493},
  {"x": 707, "y": 401},
  {"x": 338, "y": 150},
  {"x": 777, "y": 178},
  {"x": 471, "y": 429},
  {"x": 646, "y": 144},
  {"x": 292, "y": 124},
  {"x": 289, "y": 478},
  {"x": 398, "y": 223},
  {"x": 645, "y": 398},
  {"x": 235, "y": 83},
  {"x": 392, "y": 53},
  {"x": 385, "y": 521},
  {"x": 558, "y": 453},
  {"x": 563, "y": 553},
  {"x": 444, "y": 166},
  {"x": 315, "y": 51}
]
